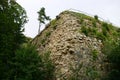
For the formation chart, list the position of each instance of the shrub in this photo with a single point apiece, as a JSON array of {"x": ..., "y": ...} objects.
[
  {"x": 114, "y": 55},
  {"x": 42, "y": 41},
  {"x": 114, "y": 75},
  {"x": 96, "y": 17},
  {"x": 28, "y": 65},
  {"x": 100, "y": 36},
  {"x": 105, "y": 26},
  {"x": 54, "y": 23},
  {"x": 76, "y": 71},
  {"x": 114, "y": 59},
  {"x": 92, "y": 32},
  {"x": 92, "y": 73},
  {"x": 94, "y": 54},
  {"x": 48, "y": 34},
  {"x": 48, "y": 66},
  {"x": 105, "y": 33},
  {"x": 84, "y": 30},
  {"x": 94, "y": 23}
]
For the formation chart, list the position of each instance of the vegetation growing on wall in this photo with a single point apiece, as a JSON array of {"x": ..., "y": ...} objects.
[
  {"x": 94, "y": 55},
  {"x": 109, "y": 35},
  {"x": 53, "y": 24},
  {"x": 98, "y": 29}
]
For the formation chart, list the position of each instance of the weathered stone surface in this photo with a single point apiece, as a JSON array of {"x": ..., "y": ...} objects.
[{"x": 71, "y": 49}]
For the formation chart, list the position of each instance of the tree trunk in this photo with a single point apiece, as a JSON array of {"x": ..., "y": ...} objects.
[{"x": 39, "y": 28}]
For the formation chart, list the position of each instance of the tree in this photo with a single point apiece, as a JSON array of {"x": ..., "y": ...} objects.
[
  {"x": 12, "y": 20},
  {"x": 42, "y": 17},
  {"x": 29, "y": 65},
  {"x": 114, "y": 59},
  {"x": 112, "y": 51}
]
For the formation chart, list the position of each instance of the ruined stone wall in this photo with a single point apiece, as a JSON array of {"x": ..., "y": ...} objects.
[{"x": 74, "y": 53}]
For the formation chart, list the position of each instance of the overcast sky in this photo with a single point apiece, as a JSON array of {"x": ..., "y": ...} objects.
[{"x": 107, "y": 9}]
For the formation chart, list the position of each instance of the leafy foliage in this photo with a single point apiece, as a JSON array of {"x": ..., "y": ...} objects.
[
  {"x": 53, "y": 24},
  {"x": 42, "y": 17},
  {"x": 29, "y": 65},
  {"x": 48, "y": 33},
  {"x": 96, "y": 17},
  {"x": 49, "y": 67},
  {"x": 12, "y": 20},
  {"x": 94, "y": 54},
  {"x": 76, "y": 75},
  {"x": 92, "y": 73},
  {"x": 113, "y": 55},
  {"x": 84, "y": 30}
]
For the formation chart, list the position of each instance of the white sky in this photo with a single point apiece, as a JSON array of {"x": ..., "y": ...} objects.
[{"x": 107, "y": 9}]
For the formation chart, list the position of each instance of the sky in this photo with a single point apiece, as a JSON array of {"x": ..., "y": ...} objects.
[{"x": 109, "y": 10}]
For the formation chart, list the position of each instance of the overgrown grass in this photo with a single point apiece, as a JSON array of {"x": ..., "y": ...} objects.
[
  {"x": 54, "y": 24},
  {"x": 94, "y": 55},
  {"x": 92, "y": 73},
  {"x": 42, "y": 41},
  {"x": 76, "y": 71},
  {"x": 107, "y": 30},
  {"x": 48, "y": 33}
]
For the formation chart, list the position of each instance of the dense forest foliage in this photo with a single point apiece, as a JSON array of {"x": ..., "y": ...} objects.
[
  {"x": 18, "y": 61},
  {"x": 12, "y": 19}
]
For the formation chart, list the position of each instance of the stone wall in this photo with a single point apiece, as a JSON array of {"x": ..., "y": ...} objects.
[{"x": 74, "y": 53}]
